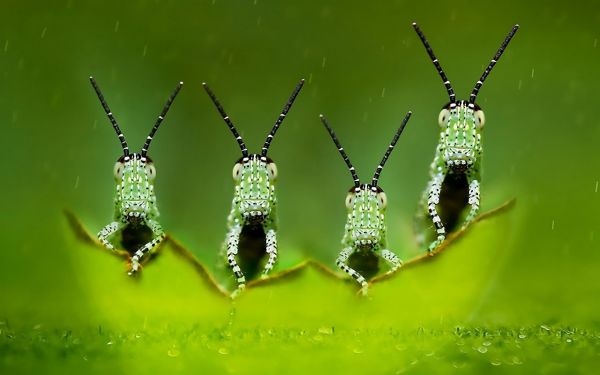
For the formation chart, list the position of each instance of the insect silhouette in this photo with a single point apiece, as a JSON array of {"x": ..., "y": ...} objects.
[
  {"x": 252, "y": 221},
  {"x": 455, "y": 173},
  {"x": 136, "y": 212},
  {"x": 364, "y": 238}
]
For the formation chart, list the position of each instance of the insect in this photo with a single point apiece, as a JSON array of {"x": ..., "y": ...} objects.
[
  {"x": 252, "y": 221},
  {"x": 456, "y": 169},
  {"x": 365, "y": 232},
  {"x": 136, "y": 211}
]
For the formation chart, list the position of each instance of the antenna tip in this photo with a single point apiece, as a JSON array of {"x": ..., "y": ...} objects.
[
  {"x": 204, "y": 84},
  {"x": 321, "y": 116},
  {"x": 517, "y": 25},
  {"x": 302, "y": 80},
  {"x": 180, "y": 83},
  {"x": 409, "y": 113},
  {"x": 414, "y": 24}
]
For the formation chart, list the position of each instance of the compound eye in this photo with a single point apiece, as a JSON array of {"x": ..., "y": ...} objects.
[
  {"x": 479, "y": 118},
  {"x": 350, "y": 200},
  {"x": 237, "y": 171},
  {"x": 443, "y": 117},
  {"x": 151, "y": 171},
  {"x": 118, "y": 170},
  {"x": 382, "y": 200},
  {"x": 272, "y": 171}
]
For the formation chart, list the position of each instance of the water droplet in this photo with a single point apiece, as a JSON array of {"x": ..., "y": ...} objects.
[
  {"x": 357, "y": 350},
  {"x": 482, "y": 349},
  {"x": 495, "y": 362},
  {"x": 223, "y": 351},
  {"x": 173, "y": 352},
  {"x": 326, "y": 330},
  {"x": 522, "y": 335}
]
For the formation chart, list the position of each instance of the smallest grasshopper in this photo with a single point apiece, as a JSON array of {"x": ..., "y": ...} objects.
[
  {"x": 365, "y": 231},
  {"x": 136, "y": 211}
]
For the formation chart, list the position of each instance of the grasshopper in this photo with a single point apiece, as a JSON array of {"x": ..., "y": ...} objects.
[
  {"x": 365, "y": 231},
  {"x": 136, "y": 212},
  {"x": 252, "y": 221},
  {"x": 455, "y": 172}
]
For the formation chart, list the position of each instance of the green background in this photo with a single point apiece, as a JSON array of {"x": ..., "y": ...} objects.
[{"x": 364, "y": 68}]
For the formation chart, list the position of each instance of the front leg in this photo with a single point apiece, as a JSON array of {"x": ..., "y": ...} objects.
[
  {"x": 341, "y": 263},
  {"x": 106, "y": 232},
  {"x": 392, "y": 259},
  {"x": 473, "y": 201},
  {"x": 232, "y": 241},
  {"x": 271, "y": 239},
  {"x": 433, "y": 199},
  {"x": 158, "y": 237}
]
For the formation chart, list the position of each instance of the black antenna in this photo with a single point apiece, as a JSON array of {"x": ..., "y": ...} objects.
[
  {"x": 436, "y": 63},
  {"x": 492, "y": 63},
  {"x": 112, "y": 119},
  {"x": 160, "y": 119},
  {"x": 390, "y": 149},
  {"x": 237, "y": 135},
  {"x": 281, "y": 117},
  {"x": 341, "y": 150}
]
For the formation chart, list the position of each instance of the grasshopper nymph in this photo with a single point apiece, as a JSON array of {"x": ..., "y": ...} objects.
[
  {"x": 455, "y": 172},
  {"x": 365, "y": 231},
  {"x": 252, "y": 221},
  {"x": 136, "y": 212}
]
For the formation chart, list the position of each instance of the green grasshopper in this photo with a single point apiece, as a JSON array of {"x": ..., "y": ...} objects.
[
  {"x": 456, "y": 169},
  {"x": 252, "y": 221},
  {"x": 365, "y": 231},
  {"x": 136, "y": 211}
]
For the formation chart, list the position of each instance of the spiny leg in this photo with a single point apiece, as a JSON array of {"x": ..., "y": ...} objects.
[
  {"x": 433, "y": 200},
  {"x": 233, "y": 239},
  {"x": 106, "y": 232},
  {"x": 341, "y": 263},
  {"x": 473, "y": 202},
  {"x": 159, "y": 236},
  {"x": 271, "y": 239},
  {"x": 392, "y": 259}
]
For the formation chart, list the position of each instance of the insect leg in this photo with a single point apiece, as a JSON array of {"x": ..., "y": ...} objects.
[
  {"x": 233, "y": 239},
  {"x": 392, "y": 259},
  {"x": 106, "y": 232},
  {"x": 473, "y": 201},
  {"x": 433, "y": 199},
  {"x": 271, "y": 237},
  {"x": 341, "y": 263},
  {"x": 159, "y": 236}
]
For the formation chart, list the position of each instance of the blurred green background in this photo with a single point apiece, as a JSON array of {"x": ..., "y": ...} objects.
[{"x": 364, "y": 67}]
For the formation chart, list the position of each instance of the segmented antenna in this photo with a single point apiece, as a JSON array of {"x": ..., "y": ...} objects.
[
  {"x": 281, "y": 117},
  {"x": 436, "y": 63},
  {"x": 112, "y": 119},
  {"x": 492, "y": 63},
  {"x": 341, "y": 150},
  {"x": 160, "y": 119},
  {"x": 390, "y": 149},
  {"x": 237, "y": 135}
]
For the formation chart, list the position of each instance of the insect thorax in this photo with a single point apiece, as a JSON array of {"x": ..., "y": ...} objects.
[
  {"x": 135, "y": 200},
  {"x": 365, "y": 224},
  {"x": 254, "y": 198},
  {"x": 460, "y": 138}
]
